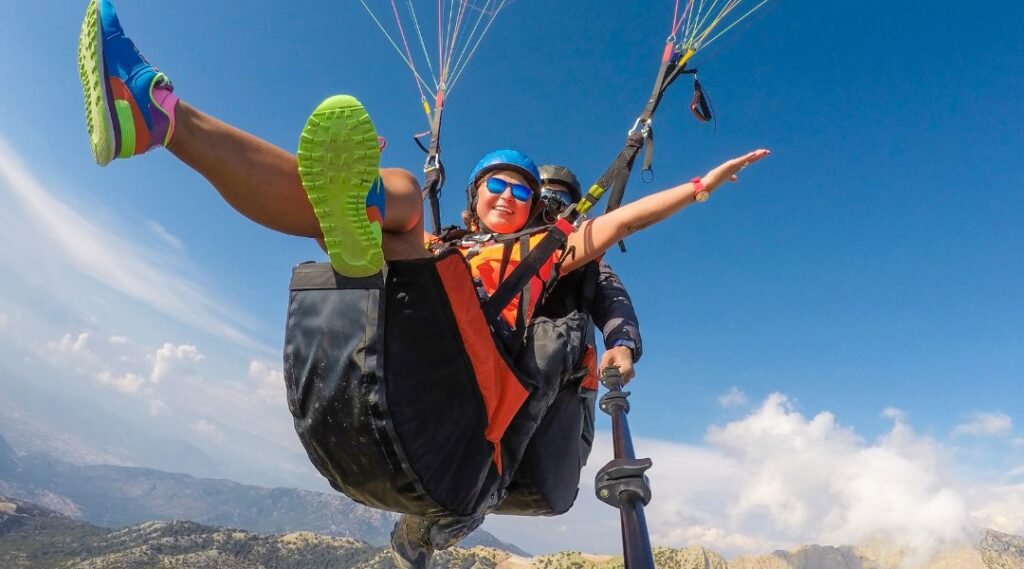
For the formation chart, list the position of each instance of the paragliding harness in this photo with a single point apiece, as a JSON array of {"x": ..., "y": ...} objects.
[{"x": 402, "y": 393}]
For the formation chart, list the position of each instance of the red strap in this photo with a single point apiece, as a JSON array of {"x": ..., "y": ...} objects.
[{"x": 564, "y": 226}]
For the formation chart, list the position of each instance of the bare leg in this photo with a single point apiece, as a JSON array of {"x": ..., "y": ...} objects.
[
  {"x": 261, "y": 181},
  {"x": 258, "y": 179},
  {"x": 403, "y": 221}
]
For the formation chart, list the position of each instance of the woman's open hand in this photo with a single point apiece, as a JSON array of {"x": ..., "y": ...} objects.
[{"x": 729, "y": 171}]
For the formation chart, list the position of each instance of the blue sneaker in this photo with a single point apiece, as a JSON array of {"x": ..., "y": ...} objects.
[{"x": 129, "y": 104}]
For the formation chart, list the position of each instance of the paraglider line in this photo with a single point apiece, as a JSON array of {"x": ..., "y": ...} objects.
[
  {"x": 482, "y": 35},
  {"x": 472, "y": 34},
  {"x": 454, "y": 36},
  {"x": 423, "y": 43},
  {"x": 408, "y": 52},
  {"x": 732, "y": 25},
  {"x": 398, "y": 50}
]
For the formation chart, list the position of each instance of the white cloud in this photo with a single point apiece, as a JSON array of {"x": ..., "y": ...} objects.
[
  {"x": 1000, "y": 508},
  {"x": 68, "y": 242},
  {"x": 69, "y": 344},
  {"x": 121, "y": 366},
  {"x": 208, "y": 430},
  {"x": 813, "y": 480},
  {"x": 733, "y": 398},
  {"x": 171, "y": 359},
  {"x": 986, "y": 425},
  {"x": 5, "y": 321},
  {"x": 165, "y": 236},
  {"x": 126, "y": 383},
  {"x": 269, "y": 382},
  {"x": 72, "y": 352},
  {"x": 894, "y": 414},
  {"x": 157, "y": 408},
  {"x": 776, "y": 479}
]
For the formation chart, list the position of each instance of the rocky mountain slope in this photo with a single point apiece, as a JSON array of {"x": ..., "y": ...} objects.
[
  {"x": 116, "y": 496},
  {"x": 32, "y": 537},
  {"x": 37, "y": 538}
]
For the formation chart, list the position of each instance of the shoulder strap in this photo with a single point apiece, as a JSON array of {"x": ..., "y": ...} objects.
[{"x": 527, "y": 269}]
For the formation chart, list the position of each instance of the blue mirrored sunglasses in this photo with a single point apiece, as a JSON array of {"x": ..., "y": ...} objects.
[{"x": 520, "y": 192}]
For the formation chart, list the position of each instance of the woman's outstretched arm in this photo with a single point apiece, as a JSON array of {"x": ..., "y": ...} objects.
[{"x": 597, "y": 235}]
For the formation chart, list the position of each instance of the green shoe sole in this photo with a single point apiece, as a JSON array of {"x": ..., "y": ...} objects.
[
  {"x": 339, "y": 161},
  {"x": 90, "y": 69}
]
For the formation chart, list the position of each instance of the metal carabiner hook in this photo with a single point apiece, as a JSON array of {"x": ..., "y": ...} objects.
[{"x": 642, "y": 126}]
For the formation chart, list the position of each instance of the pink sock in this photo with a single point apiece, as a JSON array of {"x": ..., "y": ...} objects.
[{"x": 164, "y": 97}]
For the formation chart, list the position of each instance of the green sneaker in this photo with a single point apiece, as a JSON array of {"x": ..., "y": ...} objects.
[{"x": 339, "y": 163}]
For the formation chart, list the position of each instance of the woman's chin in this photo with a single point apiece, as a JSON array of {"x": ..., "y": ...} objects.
[{"x": 501, "y": 224}]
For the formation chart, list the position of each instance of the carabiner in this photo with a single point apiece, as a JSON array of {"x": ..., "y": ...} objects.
[{"x": 642, "y": 126}]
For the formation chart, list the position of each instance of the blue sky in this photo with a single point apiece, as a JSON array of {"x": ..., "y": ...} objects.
[{"x": 868, "y": 271}]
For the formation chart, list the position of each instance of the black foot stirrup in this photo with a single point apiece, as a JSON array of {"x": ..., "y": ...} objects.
[
  {"x": 700, "y": 106},
  {"x": 622, "y": 483}
]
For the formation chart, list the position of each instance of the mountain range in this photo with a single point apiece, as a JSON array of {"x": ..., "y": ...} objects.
[
  {"x": 60, "y": 514},
  {"x": 119, "y": 496},
  {"x": 38, "y": 538}
]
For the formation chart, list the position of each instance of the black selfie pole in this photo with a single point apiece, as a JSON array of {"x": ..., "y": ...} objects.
[{"x": 622, "y": 483}]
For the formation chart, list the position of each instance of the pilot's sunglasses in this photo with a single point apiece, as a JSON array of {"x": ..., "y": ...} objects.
[
  {"x": 520, "y": 192},
  {"x": 552, "y": 193}
]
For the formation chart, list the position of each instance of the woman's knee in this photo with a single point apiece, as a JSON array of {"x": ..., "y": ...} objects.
[{"x": 404, "y": 206}]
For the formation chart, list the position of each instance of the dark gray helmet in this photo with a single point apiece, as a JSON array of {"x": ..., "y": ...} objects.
[{"x": 552, "y": 173}]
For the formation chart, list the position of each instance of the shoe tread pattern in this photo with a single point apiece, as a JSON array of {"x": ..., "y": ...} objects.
[
  {"x": 90, "y": 69},
  {"x": 339, "y": 160}
]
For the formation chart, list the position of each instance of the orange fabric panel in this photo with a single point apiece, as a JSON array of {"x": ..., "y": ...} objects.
[
  {"x": 142, "y": 135},
  {"x": 590, "y": 362},
  {"x": 502, "y": 392},
  {"x": 486, "y": 266}
]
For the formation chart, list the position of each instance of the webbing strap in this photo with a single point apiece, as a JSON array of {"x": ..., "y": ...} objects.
[
  {"x": 527, "y": 269},
  {"x": 506, "y": 256},
  {"x": 524, "y": 295},
  {"x": 617, "y": 188},
  {"x": 648, "y": 167},
  {"x": 432, "y": 192},
  {"x": 618, "y": 174},
  {"x": 591, "y": 274},
  {"x": 433, "y": 169}
]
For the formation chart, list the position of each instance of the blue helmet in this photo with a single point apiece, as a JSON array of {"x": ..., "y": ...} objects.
[{"x": 506, "y": 160}]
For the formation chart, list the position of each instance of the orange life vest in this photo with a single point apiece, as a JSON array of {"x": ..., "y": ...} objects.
[{"x": 486, "y": 263}]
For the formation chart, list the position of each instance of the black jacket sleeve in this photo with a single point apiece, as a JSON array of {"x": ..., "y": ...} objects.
[{"x": 613, "y": 313}]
